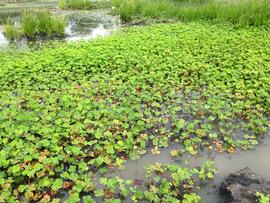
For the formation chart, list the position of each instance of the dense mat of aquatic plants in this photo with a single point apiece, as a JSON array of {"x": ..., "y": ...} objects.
[{"x": 73, "y": 109}]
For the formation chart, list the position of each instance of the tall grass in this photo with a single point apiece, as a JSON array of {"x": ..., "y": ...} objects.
[
  {"x": 44, "y": 23},
  {"x": 37, "y": 24},
  {"x": 75, "y": 4},
  {"x": 29, "y": 24},
  {"x": 58, "y": 26},
  {"x": 11, "y": 30},
  {"x": 240, "y": 12}
]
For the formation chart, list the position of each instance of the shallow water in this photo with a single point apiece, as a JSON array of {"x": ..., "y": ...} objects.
[
  {"x": 3, "y": 39},
  {"x": 88, "y": 25},
  {"x": 12, "y": 10},
  {"x": 257, "y": 160},
  {"x": 81, "y": 25}
]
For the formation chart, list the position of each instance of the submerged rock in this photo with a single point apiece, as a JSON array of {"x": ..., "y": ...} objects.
[{"x": 241, "y": 187}]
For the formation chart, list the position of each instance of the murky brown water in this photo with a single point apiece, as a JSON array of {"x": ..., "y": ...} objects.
[
  {"x": 257, "y": 160},
  {"x": 87, "y": 25}
]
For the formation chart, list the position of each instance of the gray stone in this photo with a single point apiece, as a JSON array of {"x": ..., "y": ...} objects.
[{"x": 241, "y": 187}]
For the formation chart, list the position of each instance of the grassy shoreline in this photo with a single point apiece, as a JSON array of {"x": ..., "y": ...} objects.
[
  {"x": 84, "y": 4},
  {"x": 241, "y": 12}
]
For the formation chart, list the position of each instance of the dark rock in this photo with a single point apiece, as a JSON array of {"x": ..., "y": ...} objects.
[{"x": 241, "y": 187}]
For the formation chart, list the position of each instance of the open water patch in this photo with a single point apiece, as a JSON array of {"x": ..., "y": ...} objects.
[{"x": 225, "y": 163}]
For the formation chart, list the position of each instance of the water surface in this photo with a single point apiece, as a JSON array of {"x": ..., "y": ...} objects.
[
  {"x": 257, "y": 160},
  {"x": 81, "y": 25}
]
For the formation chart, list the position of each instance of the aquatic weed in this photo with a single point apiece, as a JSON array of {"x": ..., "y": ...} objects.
[{"x": 70, "y": 110}]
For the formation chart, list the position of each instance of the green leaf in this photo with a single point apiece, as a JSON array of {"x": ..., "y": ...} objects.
[
  {"x": 180, "y": 124},
  {"x": 15, "y": 169},
  {"x": 57, "y": 184},
  {"x": 75, "y": 150},
  {"x": 110, "y": 149}
]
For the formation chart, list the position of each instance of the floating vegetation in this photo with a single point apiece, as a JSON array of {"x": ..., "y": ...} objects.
[
  {"x": 36, "y": 24},
  {"x": 240, "y": 12},
  {"x": 69, "y": 111},
  {"x": 163, "y": 183},
  {"x": 263, "y": 198}
]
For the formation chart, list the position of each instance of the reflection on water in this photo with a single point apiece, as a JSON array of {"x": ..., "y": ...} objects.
[
  {"x": 99, "y": 31},
  {"x": 257, "y": 160},
  {"x": 5, "y": 15},
  {"x": 81, "y": 25},
  {"x": 3, "y": 39}
]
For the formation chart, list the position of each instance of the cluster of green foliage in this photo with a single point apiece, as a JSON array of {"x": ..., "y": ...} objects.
[
  {"x": 240, "y": 12},
  {"x": 36, "y": 24},
  {"x": 262, "y": 198},
  {"x": 11, "y": 30},
  {"x": 164, "y": 183},
  {"x": 75, "y": 4},
  {"x": 71, "y": 109}
]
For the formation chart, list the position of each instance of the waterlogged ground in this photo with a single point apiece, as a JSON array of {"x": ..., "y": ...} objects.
[
  {"x": 71, "y": 114},
  {"x": 81, "y": 25},
  {"x": 225, "y": 163}
]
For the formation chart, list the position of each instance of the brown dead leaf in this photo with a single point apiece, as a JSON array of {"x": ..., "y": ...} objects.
[
  {"x": 67, "y": 185},
  {"x": 108, "y": 194}
]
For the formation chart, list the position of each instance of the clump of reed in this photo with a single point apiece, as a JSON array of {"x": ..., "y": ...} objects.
[
  {"x": 29, "y": 24},
  {"x": 239, "y": 12},
  {"x": 11, "y": 30},
  {"x": 75, "y": 4},
  {"x": 36, "y": 24}
]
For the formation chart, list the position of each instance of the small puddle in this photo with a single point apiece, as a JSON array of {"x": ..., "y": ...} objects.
[{"x": 257, "y": 160}]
